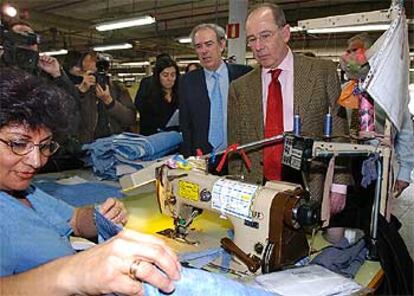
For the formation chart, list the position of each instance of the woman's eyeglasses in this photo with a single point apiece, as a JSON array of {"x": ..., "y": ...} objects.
[{"x": 25, "y": 147}]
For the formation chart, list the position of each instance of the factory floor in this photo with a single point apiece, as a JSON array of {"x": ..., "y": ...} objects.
[{"x": 403, "y": 209}]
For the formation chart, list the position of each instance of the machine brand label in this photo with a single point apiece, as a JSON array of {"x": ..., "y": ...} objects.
[
  {"x": 233, "y": 198},
  {"x": 188, "y": 190}
]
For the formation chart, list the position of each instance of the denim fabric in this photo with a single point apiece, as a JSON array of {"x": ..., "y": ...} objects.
[
  {"x": 82, "y": 194},
  {"x": 202, "y": 258},
  {"x": 203, "y": 283},
  {"x": 127, "y": 148},
  {"x": 106, "y": 228},
  {"x": 343, "y": 258}
]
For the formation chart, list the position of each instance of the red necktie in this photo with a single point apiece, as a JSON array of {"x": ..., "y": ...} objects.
[{"x": 272, "y": 154}]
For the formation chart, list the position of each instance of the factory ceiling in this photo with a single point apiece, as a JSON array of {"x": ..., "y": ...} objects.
[{"x": 70, "y": 23}]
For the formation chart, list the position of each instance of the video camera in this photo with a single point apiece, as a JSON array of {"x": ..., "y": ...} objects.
[
  {"x": 15, "y": 49},
  {"x": 102, "y": 67}
]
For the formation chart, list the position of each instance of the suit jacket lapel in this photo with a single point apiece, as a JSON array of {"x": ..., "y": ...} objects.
[
  {"x": 204, "y": 99},
  {"x": 230, "y": 72}
]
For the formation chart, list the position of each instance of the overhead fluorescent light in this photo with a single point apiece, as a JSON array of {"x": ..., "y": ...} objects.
[
  {"x": 361, "y": 28},
  {"x": 126, "y": 23},
  {"x": 184, "y": 40},
  {"x": 9, "y": 10},
  {"x": 54, "y": 52},
  {"x": 186, "y": 62},
  {"x": 296, "y": 29},
  {"x": 128, "y": 79},
  {"x": 378, "y": 20},
  {"x": 131, "y": 74},
  {"x": 113, "y": 47},
  {"x": 135, "y": 64}
]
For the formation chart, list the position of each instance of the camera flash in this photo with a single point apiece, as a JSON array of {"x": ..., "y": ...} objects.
[{"x": 9, "y": 10}]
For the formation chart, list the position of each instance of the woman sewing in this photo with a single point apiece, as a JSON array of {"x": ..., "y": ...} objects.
[{"x": 36, "y": 255}]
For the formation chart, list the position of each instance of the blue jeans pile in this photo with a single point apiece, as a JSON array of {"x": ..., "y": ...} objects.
[{"x": 128, "y": 149}]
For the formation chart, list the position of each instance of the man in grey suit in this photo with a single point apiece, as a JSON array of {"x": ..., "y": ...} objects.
[
  {"x": 203, "y": 93},
  {"x": 309, "y": 87}
]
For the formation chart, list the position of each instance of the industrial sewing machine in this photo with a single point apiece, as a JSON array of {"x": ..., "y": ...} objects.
[{"x": 267, "y": 220}]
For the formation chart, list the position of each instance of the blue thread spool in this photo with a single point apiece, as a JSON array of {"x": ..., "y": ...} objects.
[
  {"x": 297, "y": 126},
  {"x": 327, "y": 124}
]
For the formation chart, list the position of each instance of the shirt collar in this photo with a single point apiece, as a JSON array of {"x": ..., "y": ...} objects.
[
  {"x": 220, "y": 70},
  {"x": 286, "y": 65}
]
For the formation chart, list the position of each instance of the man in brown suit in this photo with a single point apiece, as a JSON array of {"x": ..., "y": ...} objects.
[{"x": 309, "y": 86}]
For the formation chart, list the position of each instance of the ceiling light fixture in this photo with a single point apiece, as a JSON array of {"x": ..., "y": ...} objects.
[
  {"x": 296, "y": 29},
  {"x": 378, "y": 20},
  {"x": 54, "y": 52},
  {"x": 113, "y": 47},
  {"x": 136, "y": 64},
  {"x": 186, "y": 62},
  {"x": 125, "y": 23},
  {"x": 9, "y": 10},
  {"x": 131, "y": 74},
  {"x": 184, "y": 40},
  {"x": 361, "y": 28}
]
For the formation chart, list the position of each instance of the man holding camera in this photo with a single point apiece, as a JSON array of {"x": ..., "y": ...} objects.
[
  {"x": 106, "y": 107},
  {"x": 21, "y": 50}
]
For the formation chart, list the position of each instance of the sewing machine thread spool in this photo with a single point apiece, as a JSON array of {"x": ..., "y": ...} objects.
[
  {"x": 297, "y": 126},
  {"x": 327, "y": 124}
]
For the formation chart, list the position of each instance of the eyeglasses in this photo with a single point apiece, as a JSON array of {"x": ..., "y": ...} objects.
[
  {"x": 263, "y": 37},
  {"x": 25, "y": 147}
]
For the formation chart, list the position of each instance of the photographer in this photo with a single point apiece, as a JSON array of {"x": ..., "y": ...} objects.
[
  {"x": 106, "y": 107},
  {"x": 21, "y": 50}
]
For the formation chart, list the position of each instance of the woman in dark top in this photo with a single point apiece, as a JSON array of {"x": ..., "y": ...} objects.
[{"x": 161, "y": 101}]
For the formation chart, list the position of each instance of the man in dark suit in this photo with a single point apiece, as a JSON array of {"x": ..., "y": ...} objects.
[
  {"x": 203, "y": 93},
  {"x": 307, "y": 85}
]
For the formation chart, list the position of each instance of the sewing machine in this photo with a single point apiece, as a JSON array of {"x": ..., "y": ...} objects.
[{"x": 267, "y": 219}]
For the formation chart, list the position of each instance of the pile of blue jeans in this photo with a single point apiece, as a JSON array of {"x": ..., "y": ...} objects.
[{"x": 105, "y": 155}]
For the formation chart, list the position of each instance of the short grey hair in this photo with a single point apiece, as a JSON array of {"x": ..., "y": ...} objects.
[
  {"x": 363, "y": 37},
  {"x": 220, "y": 32},
  {"x": 277, "y": 12}
]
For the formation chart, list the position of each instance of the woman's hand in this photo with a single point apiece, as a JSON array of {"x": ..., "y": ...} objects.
[
  {"x": 114, "y": 210},
  {"x": 106, "y": 268},
  {"x": 88, "y": 80},
  {"x": 104, "y": 95},
  {"x": 50, "y": 65}
]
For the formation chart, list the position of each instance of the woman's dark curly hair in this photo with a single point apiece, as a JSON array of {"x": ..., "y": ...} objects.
[
  {"x": 34, "y": 102},
  {"x": 160, "y": 64}
]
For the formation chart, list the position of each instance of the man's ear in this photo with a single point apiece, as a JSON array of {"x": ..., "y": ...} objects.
[
  {"x": 286, "y": 33},
  {"x": 222, "y": 45}
]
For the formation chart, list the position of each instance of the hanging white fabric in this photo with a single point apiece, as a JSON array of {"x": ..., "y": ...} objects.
[{"x": 388, "y": 78}]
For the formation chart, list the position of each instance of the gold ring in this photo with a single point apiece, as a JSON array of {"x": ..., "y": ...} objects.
[{"x": 133, "y": 268}]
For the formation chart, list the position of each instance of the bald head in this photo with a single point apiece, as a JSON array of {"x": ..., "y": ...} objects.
[{"x": 276, "y": 11}]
